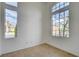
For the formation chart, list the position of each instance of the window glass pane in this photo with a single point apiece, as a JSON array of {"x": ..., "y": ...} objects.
[
  {"x": 61, "y": 29},
  {"x": 60, "y": 19},
  {"x": 66, "y": 33},
  {"x": 53, "y": 20},
  {"x": 66, "y": 13},
  {"x": 57, "y": 24},
  {"x": 62, "y": 4},
  {"x": 66, "y": 3},
  {"x": 54, "y": 23},
  {"x": 10, "y": 23},
  {"x": 61, "y": 14},
  {"x": 53, "y": 8},
  {"x": 54, "y": 30},
  {"x": 12, "y": 3},
  {"x": 57, "y": 16},
  {"x": 66, "y": 20},
  {"x": 53, "y": 17},
  {"x": 57, "y": 29},
  {"x": 57, "y": 6},
  {"x": 66, "y": 27}
]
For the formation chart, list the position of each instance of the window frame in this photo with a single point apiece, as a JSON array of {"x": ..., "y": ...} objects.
[
  {"x": 62, "y": 10},
  {"x": 12, "y": 8}
]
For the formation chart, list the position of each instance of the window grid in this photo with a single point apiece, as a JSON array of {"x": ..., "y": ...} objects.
[
  {"x": 60, "y": 28},
  {"x": 10, "y": 20}
]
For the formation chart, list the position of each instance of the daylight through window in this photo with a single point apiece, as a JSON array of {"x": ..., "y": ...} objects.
[
  {"x": 10, "y": 19},
  {"x": 60, "y": 19}
]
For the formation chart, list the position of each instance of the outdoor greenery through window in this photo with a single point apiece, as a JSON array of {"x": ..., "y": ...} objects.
[
  {"x": 10, "y": 19},
  {"x": 60, "y": 19}
]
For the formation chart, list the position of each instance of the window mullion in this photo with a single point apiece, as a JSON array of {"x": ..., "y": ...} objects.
[{"x": 60, "y": 26}]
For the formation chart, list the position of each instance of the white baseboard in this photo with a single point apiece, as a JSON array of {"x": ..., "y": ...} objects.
[
  {"x": 72, "y": 52},
  {"x": 29, "y": 46}
]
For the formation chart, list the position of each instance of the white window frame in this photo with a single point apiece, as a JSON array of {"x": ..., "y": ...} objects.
[{"x": 58, "y": 11}]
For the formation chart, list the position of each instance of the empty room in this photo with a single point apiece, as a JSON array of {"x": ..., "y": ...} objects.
[{"x": 39, "y": 29}]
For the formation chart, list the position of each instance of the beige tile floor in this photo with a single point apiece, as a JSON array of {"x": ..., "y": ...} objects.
[{"x": 43, "y": 50}]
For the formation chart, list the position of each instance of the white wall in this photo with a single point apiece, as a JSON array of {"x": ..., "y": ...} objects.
[
  {"x": 68, "y": 44},
  {"x": 34, "y": 28},
  {"x": 45, "y": 21},
  {"x": 29, "y": 29}
]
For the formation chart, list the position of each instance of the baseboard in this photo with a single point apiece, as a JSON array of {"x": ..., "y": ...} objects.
[
  {"x": 39, "y": 44},
  {"x": 22, "y": 48},
  {"x": 62, "y": 50}
]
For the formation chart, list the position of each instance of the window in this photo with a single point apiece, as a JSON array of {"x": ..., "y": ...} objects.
[
  {"x": 12, "y": 3},
  {"x": 60, "y": 19},
  {"x": 10, "y": 19}
]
